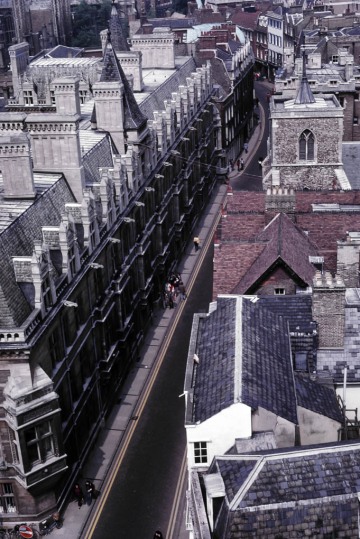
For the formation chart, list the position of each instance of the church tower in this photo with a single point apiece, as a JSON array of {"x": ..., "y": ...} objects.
[{"x": 305, "y": 142}]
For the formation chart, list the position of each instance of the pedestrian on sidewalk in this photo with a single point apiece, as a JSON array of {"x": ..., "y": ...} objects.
[
  {"x": 242, "y": 163},
  {"x": 246, "y": 147},
  {"x": 182, "y": 291},
  {"x": 260, "y": 161},
  {"x": 196, "y": 243},
  {"x": 78, "y": 494},
  {"x": 158, "y": 535},
  {"x": 90, "y": 489},
  {"x": 171, "y": 300},
  {"x": 238, "y": 165}
]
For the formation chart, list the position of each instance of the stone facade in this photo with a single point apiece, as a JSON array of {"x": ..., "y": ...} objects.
[
  {"x": 285, "y": 165},
  {"x": 328, "y": 309},
  {"x": 348, "y": 260},
  {"x": 83, "y": 267}
]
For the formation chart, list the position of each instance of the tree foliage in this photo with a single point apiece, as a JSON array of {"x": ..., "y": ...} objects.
[
  {"x": 180, "y": 6},
  {"x": 87, "y": 22}
]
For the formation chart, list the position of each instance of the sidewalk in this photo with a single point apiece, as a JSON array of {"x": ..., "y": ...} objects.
[{"x": 110, "y": 438}]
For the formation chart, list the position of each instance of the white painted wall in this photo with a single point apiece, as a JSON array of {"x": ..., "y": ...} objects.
[
  {"x": 219, "y": 431},
  {"x": 283, "y": 430},
  {"x": 316, "y": 428}
]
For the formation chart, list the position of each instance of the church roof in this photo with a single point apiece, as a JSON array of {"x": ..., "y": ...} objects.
[
  {"x": 113, "y": 72},
  {"x": 304, "y": 95}
]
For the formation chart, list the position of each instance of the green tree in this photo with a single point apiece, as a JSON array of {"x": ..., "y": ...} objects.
[{"x": 87, "y": 22}]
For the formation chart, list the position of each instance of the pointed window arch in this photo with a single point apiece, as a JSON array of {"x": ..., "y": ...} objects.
[{"x": 307, "y": 146}]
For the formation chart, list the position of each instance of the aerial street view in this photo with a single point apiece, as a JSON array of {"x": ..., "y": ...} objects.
[{"x": 180, "y": 261}]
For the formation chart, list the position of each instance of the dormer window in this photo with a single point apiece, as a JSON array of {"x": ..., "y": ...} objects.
[{"x": 306, "y": 146}]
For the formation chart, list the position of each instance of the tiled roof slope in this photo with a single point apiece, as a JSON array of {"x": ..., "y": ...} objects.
[
  {"x": 267, "y": 374},
  {"x": 287, "y": 494},
  {"x": 113, "y": 72},
  {"x": 247, "y": 228},
  {"x": 18, "y": 240},
  {"x": 155, "y": 101},
  {"x": 332, "y": 362},
  {"x": 231, "y": 262},
  {"x": 317, "y": 398},
  {"x": 286, "y": 244},
  {"x": 297, "y": 309},
  {"x": 118, "y": 39},
  {"x": 264, "y": 360},
  {"x": 220, "y": 76},
  {"x": 245, "y": 19},
  {"x": 214, "y": 388},
  {"x": 246, "y": 217}
]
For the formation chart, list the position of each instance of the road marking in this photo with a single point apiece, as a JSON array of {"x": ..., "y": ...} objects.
[
  {"x": 177, "y": 498},
  {"x": 143, "y": 398}
]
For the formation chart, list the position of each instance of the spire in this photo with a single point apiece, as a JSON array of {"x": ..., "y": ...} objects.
[
  {"x": 112, "y": 72},
  {"x": 304, "y": 95},
  {"x": 118, "y": 26}
]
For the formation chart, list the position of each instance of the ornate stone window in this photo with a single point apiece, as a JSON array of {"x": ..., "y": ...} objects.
[
  {"x": 39, "y": 443},
  {"x": 307, "y": 146}
]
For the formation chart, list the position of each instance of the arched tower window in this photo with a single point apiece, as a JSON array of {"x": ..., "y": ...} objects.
[{"x": 306, "y": 146}]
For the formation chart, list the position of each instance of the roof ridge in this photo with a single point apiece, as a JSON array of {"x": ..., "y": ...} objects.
[{"x": 248, "y": 482}]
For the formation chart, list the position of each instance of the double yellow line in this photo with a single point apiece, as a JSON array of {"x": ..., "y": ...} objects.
[{"x": 110, "y": 479}]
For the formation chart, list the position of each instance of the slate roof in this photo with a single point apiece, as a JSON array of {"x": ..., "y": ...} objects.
[
  {"x": 318, "y": 398},
  {"x": 297, "y": 309},
  {"x": 304, "y": 95},
  {"x": 221, "y": 77},
  {"x": 272, "y": 492},
  {"x": 18, "y": 240},
  {"x": 286, "y": 245},
  {"x": 261, "y": 358},
  {"x": 118, "y": 39},
  {"x": 113, "y": 72},
  {"x": 155, "y": 101},
  {"x": 351, "y": 161}
]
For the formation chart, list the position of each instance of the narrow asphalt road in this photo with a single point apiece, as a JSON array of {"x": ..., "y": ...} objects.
[
  {"x": 142, "y": 496},
  {"x": 251, "y": 178}
]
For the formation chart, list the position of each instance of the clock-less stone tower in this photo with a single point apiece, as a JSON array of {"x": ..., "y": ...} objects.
[{"x": 305, "y": 147}]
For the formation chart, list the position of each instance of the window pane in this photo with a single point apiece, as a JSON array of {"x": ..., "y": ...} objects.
[
  {"x": 30, "y": 435},
  {"x": 302, "y": 148},
  {"x": 33, "y": 453},
  {"x": 310, "y": 142}
]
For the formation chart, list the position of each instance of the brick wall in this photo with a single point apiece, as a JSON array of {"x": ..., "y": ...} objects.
[{"x": 278, "y": 279}]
